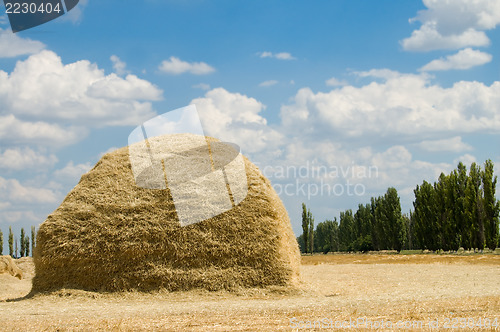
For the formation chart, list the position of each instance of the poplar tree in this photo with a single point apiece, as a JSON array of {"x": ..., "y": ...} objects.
[
  {"x": 11, "y": 242},
  {"x": 33, "y": 239},
  {"x": 1, "y": 242},
  {"x": 22, "y": 243},
  {"x": 27, "y": 246},
  {"x": 311, "y": 230},
  {"x": 305, "y": 228},
  {"x": 491, "y": 206}
]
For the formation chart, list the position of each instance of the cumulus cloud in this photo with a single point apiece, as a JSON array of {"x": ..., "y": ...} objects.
[
  {"x": 25, "y": 158},
  {"x": 403, "y": 105},
  {"x": 176, "y": 66},
  {"x": 16, "y": 216},
  {"x": 236, "y": 118},
  {"x": 454, "y": 144},
  {"x": 279, "y": 56},
  {"x": 453, "y": 24},
  {"x": 71, "y": 172},
  {"x": 268, "y": 83},
  {"x": 15, "y": 131},
  {"x": 11, "y": 45},
  {"x": 43, "y": 87},
  {"x": 335, "y": 82},
  {"x": 464, "y": 59},
  {"x": 12, "y": 190},
  {"x": 119, "y": 66},
  {"x": 202, "y": 86},
  {"x": 131, "y": 88}
]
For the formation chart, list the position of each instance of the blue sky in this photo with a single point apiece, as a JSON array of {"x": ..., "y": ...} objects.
[{"x": 408, "y": 88}]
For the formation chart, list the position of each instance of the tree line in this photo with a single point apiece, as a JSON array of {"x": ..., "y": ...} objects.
[
  {"x": 19, "y": 247},
  {"x": 459, "y": 210}
]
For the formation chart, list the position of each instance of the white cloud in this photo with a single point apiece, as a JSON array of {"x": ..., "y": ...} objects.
[
  {"x": 25, "y": 158},
  {"x": 75, "y": 15},
  {"x": 279, "y": 56},
  {"x": 111, "y": 149},
  {"x": 402, "y": 105},
  {"x": 202, "y": 86},
  {"x": 131, "y": 88},
  {"x": 427, "y": 38},
  {"x": 13, "y": 191},
  {"x": 11, "y": 45},
  {"x": 453, "y": 24},
  {"x": 379, "y": 73},
  {"x": 342, "y": 129},
  {"x": 176, "y": 66},
  {"x": 43, "y": 87},
  {"x": 71, "y": 172},
  {"x": 335, "y": 82},
  {"x": 15, "y": 131},
  {"x": 119, "y": 66},
  {"x": 454, "y": 144},
  {"x": 16, "y": 216},
  {"x": 236, "y": 118},
  {"x": 268, "y": 83},
  {"x": 466, "y": 159},
  {"x": 464, "y": 59}
]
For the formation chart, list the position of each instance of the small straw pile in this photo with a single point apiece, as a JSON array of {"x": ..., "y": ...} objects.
[
  {"x": 8, "y": 266},
  {"x": 111, "y": 235}
]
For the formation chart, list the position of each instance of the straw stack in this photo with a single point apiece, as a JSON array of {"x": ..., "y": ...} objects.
[{"x": 111, "y": 235}]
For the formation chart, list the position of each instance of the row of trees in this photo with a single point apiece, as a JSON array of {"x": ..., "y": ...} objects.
[
  {"x": 23, "y": 249},
  {"x": 459, "y": 210},
  {"x": 378, "y": 225}
]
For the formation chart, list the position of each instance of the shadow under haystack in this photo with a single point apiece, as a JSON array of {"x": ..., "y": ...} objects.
[{"x": 111, "y": 235}]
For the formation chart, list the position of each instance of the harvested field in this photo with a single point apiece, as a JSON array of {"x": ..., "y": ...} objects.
[{"x": 392, "y": 288}]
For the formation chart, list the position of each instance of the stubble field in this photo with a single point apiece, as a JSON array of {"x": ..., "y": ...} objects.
[{"x": 350, "y": 291}]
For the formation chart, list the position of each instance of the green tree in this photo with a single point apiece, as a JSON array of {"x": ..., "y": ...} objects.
[
  {"x": 311, "y": 231},
  {"x": 11, "y": 242},
  {"x": 33, "y": 239},
  {"x": 22, "y": 242},
  {"x": 491, "y": 206},
  {"x": 346, "y": 231},
  {"x": 425, "y": 216},
  {"x": 375, "y": 227},
  {"x": 363, "y": 228},
  {"x": 459, "y": 206},
  {"x": 300, "y": 241},
  {"x": 408, "y": 231},
  {"x": 326, "y": 236},
  {"x": 27, "y": 246},
  {"x": 1, "y": 242},
  {"x": 305, "y": 227},
  {"x": 473, "y": 208},
  {"x": 394, "y": 220}
]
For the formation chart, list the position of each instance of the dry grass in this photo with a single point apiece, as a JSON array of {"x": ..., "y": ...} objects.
[
  {"x": 400, "y": 259},
  {"x": 110, "y": 235},
  {"x": 420, "y": 289}
]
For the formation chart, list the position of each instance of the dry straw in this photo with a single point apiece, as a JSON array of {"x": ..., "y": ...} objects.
[
  {"x": 7, "y": 265},
  {"x": 111, "y": 235}
]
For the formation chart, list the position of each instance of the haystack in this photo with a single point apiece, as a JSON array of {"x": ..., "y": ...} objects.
[
  {"x": 109, "y": 234},
  {"x": 8, "y": 266}
]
